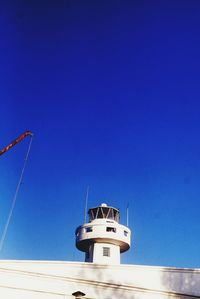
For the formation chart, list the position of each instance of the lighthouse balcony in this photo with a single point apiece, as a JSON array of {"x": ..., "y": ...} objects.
[{"x": 103, "y": 231}]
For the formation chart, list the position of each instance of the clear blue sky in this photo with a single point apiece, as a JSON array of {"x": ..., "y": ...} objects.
[{"x": 111, "y": 90}]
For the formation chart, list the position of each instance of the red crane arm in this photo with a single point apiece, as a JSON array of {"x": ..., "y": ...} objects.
[{"x": 6, "y": 148}]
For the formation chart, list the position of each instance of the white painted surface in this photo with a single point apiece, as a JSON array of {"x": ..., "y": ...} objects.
[
  {"x": 121, "y": 236},
  {"x": 112, "y": 259},
  {"x": 46, "y": 280}
]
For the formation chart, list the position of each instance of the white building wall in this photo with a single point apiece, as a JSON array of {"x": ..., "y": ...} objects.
[
  {"x": 47, "y": 280},
  {"x": 9, "y": 293}
]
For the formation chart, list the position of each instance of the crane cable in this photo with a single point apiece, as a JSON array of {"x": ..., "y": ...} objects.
[{"x": 15, "y": 196}]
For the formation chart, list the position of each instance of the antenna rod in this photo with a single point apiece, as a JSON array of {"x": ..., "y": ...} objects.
[
  {"x": 86, "y": 203},
  {"x": 127, "y": 215}
]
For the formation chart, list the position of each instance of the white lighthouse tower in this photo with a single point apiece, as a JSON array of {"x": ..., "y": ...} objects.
[{"x": 103, "y": 238}]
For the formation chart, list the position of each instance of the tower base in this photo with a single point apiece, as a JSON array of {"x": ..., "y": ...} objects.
[{"x": 103, "y": 253}]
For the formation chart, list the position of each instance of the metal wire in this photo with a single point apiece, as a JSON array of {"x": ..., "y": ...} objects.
[{"x": 15, "y": 196}]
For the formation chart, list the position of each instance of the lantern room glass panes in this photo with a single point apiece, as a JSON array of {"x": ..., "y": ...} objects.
[{"x": 103, "y": 213}]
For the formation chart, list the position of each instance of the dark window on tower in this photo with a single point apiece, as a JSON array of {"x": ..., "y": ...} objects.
[
  {"x": 111, "y": 229},
  {"x": 88, "y": 229},
  {"x": 106, "y": 251},
  {"x": 125, "y": 233}
]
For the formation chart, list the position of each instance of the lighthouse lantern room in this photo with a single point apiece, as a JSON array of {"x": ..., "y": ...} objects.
[{"x": 103, "y": 238}]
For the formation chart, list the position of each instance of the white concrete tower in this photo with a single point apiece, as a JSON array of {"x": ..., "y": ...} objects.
[{"x": 103, "y": 238}]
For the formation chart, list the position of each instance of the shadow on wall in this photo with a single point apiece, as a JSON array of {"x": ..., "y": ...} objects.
[
  {"x": 182, "y": 281},
  {"x": 103, "y": 287},
  {"x": 160, "y": 284}
]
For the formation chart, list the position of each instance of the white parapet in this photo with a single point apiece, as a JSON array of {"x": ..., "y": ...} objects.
[
  {"x": 51, "y": 279},
  {"x": 102, "y": 230}
]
